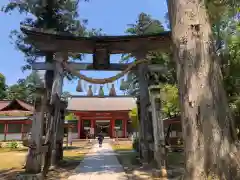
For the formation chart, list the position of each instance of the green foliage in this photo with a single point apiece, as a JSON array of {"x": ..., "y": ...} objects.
[
  {"x": 49, "y": 15},
  {"x": 25, "y": 89},
  {"x": 170, "y": 100},
  {"x": 133, "y": 115},
  {"x": 3, "y": 87},
  {"x": 70, "y": 117},
  {"x": 12, "y": 145},
  {"x": 227, "y": 33},
  {"x": 147, "y": 25}
]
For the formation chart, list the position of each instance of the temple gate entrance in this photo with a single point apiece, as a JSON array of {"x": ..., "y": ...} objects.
[{"x": 104, "y": 127}]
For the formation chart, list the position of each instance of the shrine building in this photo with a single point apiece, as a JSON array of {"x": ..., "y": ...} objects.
[
  {"x": 15, "y": 119},
  {"x": 107, "y": 114}
]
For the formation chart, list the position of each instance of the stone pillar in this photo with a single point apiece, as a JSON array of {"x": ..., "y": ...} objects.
[{"x": 158, "y": 129}]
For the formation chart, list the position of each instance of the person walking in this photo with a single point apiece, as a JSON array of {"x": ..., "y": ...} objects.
[{"x": 100, "y": 139}]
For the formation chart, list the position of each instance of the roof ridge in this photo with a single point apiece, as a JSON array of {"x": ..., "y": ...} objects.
[{"x": 80, "y": 96}]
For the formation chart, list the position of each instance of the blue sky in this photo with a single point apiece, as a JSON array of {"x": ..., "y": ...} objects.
[{"x": 110, "y": 15}]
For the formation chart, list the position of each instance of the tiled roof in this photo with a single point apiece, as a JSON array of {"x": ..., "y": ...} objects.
[
  {"x": 25, "y": 105},
  {"x": 15, "y": 113},
  {"x": 83, "y": 103},
  {"x": 5, "y": 104}
]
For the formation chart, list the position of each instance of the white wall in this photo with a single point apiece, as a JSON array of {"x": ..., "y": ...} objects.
[{"x": 12, "y": 136}]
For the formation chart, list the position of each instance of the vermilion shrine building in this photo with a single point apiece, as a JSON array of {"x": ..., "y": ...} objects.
[
  {"x": 15, "y": 119},
  {"x": 107, "y": 114}
]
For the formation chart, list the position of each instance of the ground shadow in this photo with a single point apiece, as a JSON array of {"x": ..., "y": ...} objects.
[{"x": 9, "y": 174}]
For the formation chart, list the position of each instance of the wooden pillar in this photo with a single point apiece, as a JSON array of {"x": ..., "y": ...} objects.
[
  {"x": 5, "y": 131},
  {"x": 92, "y": 123},
  {"x": 124, "y": 127},
  {"x": 112, "y": 127},
  {"x": 34, "y": 163},
  {"x": 22, "y": 131},
  {"x": 79, "y": 127},
  {"x": 60, "y": 133},
  {"x": 145, "y": 118}
]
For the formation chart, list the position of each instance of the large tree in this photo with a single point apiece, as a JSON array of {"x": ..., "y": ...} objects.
[
  {"x": 25, "y": 89},
  {"x": 3, "y": 87},
  {"x": 145, "y": 24},
  {"x": 208, "y": 128}
]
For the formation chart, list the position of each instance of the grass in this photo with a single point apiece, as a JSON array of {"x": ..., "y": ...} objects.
[
  {"x": 4, "y": 150},
  {"x": 128, "y": 159},
  {"x": 126, "y": 156},
  {"x": 12, "y": 161}
]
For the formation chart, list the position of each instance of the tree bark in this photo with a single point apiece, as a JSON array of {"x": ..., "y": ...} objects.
[{"x": 208, "y": 129}]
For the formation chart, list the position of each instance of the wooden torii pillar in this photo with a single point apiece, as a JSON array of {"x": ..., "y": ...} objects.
[
  {"x": 145, "y": 117},
  {"x": 35, "y": 143},
  {"x": 55, "y": 102}
]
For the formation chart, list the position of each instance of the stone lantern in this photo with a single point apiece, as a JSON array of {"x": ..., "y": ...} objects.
[{"x": 158, "y": 129}]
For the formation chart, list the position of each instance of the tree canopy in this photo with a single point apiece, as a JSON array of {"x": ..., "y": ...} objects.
[
  {"x": 3, "y": 87},
  {"x": 49, "y": 15}
]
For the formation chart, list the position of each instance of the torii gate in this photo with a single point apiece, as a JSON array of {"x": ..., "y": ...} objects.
[{"x": 101, "y": 48}]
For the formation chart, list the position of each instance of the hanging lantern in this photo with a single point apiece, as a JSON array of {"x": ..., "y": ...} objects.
[
  {"x": 90, "y": 93},
  {"x": 112, "y": 91},
  {"x": 79, "y": 86},
  {"x": 101, "y": 92},
  {"x": 123, "y": 85}
]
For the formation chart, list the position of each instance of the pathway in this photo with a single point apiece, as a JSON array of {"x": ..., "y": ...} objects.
[{"x": 100, "y": 163}]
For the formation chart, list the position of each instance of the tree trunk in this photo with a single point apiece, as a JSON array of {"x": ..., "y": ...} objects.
[{"x": 208, "y": 129}]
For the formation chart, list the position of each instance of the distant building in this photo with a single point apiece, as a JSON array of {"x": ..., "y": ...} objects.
[
  {"x": 106, "y": 114},
  {"x": 15, "y": 119}
]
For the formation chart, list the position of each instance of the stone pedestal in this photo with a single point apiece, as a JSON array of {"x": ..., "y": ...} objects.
[
  {"x": 159, "y": 173},
  {"x": 25, "y": 176}
]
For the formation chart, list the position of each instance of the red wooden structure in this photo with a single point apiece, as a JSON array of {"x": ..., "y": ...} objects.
[
  {"x": 173, "y": 130},
  {"x": 15, "y": 119},
  {"x": 104, "y": 114}
]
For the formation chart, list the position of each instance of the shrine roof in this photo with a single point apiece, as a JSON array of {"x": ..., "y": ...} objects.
[
  {"x": 16, "y": 113},
  {"x": 118, "y": 103},
  {"x": 16, "y": 104},
  {"x": 14, "y": 118},
  {"x": 59, "y": 41}
]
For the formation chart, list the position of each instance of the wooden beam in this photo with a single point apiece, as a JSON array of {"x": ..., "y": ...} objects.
[
  {"x": 78, "y": 66},
  {"x": 102, "y": 118},
  {"x": 57, "y": 42},
  {"x": 89, "y": 67}
]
